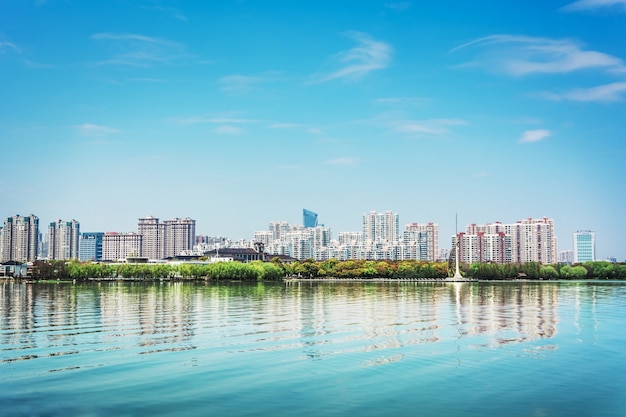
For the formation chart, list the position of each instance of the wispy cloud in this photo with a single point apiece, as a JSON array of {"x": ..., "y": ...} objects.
[
  {"x": 398, "y": 6},
  {"x": 524, "y": 55},
  {"x": 537, "y": 135},
  {"x": 354, "y": 64},
  {"x": 430, "y": 127},
  {"x": 602, "y": 93},
  {"x": 239, "y": 83},
  {"x": 403, "y": 100},
  {"x": 91, "y": 130},
  {"x": 171, "y": 11},
  {"x": 595, "y": 4},
  {"x": 284, "y": 126},
  {"x": 341, "y": 161},
  {"x": 228, "y": 118},
  {"x": 7, "y": 47},
  {"x": 229, "y": 130},
  {"x": 140, "y": 50}
]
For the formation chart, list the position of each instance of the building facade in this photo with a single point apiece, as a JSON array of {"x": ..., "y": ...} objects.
[
  {"x": 309, "y": 218},
  {"x": 584, "y": 246},
  {"x": 19, "y": 238},
  {"x": 529, "y": 240},
  {"x": 90, "y": 246},
  {"x": 119, "y": 246},
  {"x": 166, "y": 239},
  {"x": 381, "y": 227},
  {"x": 63, "y": 239}
]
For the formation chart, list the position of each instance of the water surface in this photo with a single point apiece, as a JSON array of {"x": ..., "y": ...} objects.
[{"x": 367, "y": 349}]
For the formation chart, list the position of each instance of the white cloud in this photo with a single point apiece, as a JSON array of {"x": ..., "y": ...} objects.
[
  {"x": 432, "y": 127},
  {"x": 229, "y": 130},
  {"x": 140, "y": 50},
  {"x": 524, "y": 55},
  {"x": 356, "y": 63},
  {"x": 602, "y": 93},
  {"x": 341, "y": 161},
  {"x": 6, "y": 46},
  {"x": 228, "y": 118},
  {"x": 239, "y": 83},
  {"x": 595, "y": 4},
  {"x": 283, "y": 126},
  {"x": 88, "y": 129},
  {"x": 530, "y": 136}
]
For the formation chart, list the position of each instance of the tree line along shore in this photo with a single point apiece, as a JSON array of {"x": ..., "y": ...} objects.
[{"x": 276, "y": 270}]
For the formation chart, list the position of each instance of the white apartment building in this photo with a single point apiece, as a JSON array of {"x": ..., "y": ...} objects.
[
  {"x": 119, "y": 246},
  {"x": 422, "y": 241},
  {"x": 381, "y": 227},
  {"x": 63, "y": 239}
]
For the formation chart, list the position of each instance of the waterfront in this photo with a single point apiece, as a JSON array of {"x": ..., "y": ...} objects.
[{"x": 407, "y": 349}]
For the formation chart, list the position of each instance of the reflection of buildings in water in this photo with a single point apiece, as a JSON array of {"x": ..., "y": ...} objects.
[
  {"x": 508, "y": 313},
  {"x": 155, "y": 314},
  {"x": 339, "y": 317}
]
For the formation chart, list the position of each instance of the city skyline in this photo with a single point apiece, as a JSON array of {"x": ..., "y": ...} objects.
[{"x": 237, "y": 113}]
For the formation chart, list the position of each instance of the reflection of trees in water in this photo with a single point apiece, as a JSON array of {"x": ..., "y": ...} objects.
[{"x": 317, "y": 319}]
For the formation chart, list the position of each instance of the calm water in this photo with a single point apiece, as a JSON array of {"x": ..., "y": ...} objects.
[{"x": 361, "y": 349}]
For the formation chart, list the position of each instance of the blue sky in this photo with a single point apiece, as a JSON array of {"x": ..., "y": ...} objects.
[{"x": 238, "y": 113}]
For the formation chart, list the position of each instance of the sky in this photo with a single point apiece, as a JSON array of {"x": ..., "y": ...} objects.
[{"x": 238, "y": 113}]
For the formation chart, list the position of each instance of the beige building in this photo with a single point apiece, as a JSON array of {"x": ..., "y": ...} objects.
[
  {"x": 19, "y": 238},
  {"x": 119, "y": 246},
  {"x": 63, "y": 239},
  {"x": 166, "y": 239}
]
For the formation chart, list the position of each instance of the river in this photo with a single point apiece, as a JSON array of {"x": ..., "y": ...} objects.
[{"x": 311, "y": 348}]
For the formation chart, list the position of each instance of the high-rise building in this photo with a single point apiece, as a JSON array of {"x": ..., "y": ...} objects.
[
  {"x": 309, "y": 218},
  {"x": 166, "y": 239},
  {"x": 118, "y": 246},
  {"x": 584, "y": 246},
  {"x": 381, "y": 227},
  {"x": 63, "y": 239},
  {"x": 425, "y": 239},
  {"x": 90, "y": 246},
  {"x": 153, "y": 237},
  {"x": 19, "y": 238},
  {"x": 530, "y": 240},
  {"x": 180, "y": 235}
]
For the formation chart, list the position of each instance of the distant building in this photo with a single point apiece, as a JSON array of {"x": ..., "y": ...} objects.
[
  {"x": 19, "y": 238},
  {"x": 90, "y": 246},
  {"x": 166, "y": 239},
  {"x": 584, "y": 246},
  {"x": 63, "y": 239},
  {"x": 309, "y": 218},
  {"x": 529, "y": 240},
  {"x": 119, "y": 246},
  {"x": 566, "y": 257},
  {"x": 424, "y": 238},
  {"x": 381, "y": 227}
]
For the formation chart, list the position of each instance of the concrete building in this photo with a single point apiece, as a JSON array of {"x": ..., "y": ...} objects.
[
  {"x": 422, "y": 241},
  {"x": 180, "y": 235},
  {"x": 381, "y": 227},
  {"x": 584, "y": 246},
  {"x": 529, "y": 240},
  {"x": 119, "y": 246},
  {"x": 19, "y": 238},
  {"x": 90, "y": 246},
  {"x": 166, "y": 239},
  {"x": 63, "y": 239}
]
